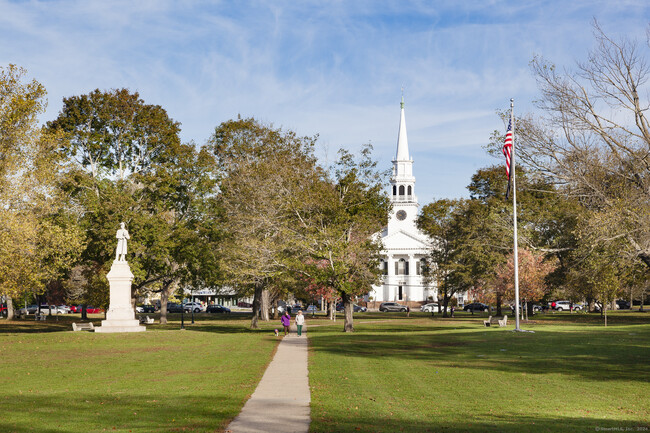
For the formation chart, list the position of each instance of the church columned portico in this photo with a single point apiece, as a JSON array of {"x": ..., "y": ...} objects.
[{"x": 404, "y": 244}]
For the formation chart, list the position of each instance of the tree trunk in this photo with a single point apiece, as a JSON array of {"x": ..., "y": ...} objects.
[
  {"x": 445, "y": 301},
  {"x": 498, "y": 304},
  {"x": 266, "y": 306},
  {"x": 604, "y": 308},
  {"x": 348, "y": 308},
  {"x": 275, "y": 310},
  {"x": 332, "y": 310},
  {"x": 84, "y": 312},
  {"x": 10, "y": 308},
  {"x": 257, "y": 304},
  {"x": 164, "y": 298}
]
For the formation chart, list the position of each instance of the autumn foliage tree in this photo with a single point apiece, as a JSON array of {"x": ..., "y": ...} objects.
[
  {"x": 37, "y": 241},
  {"x": 534, "y": 270}
]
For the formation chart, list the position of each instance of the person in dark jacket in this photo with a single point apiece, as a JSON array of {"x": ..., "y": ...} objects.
[{"x": 286, "y": 321}]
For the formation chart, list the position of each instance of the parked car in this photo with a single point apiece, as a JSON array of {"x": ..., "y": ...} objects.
[
  {"x": 30, "y": 309},
  {"x": 93, "y": 310},
  {"x": 216, "y": 308},
  {"x": 476, "y": 306},
  {"x": 64, "y": 309},
  {"x": 391, "y": 306},
  {"x": 51, "y": 309},
  {"x": 429, "y": 308},
  {"x": 145, "y": 309},
  {"x": 312, "y": 309},
  {"x": 173, "y": 307},
  {"x": 566, "y": 306},
  {"x": 3, "y": 310},
  {"x": 622, "y": 304},
  {"x": 75, "y": 308},
  {"x": 356, "y": 308},
  {"x": 193, "y": 306},
  {"x": 242, "y": 304}
]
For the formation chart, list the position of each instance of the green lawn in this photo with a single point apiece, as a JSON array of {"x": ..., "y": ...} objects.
[
  {"x": 162, "y": 380},
  {"x": 434, "y": 375},
  {"x": 393, "y": 374}
]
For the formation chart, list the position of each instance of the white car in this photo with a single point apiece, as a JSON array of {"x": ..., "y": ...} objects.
[
  {"x": 429, "y": 308},
  {"x": 565, "y": 306},
  {"x": 193, "y": 306}
]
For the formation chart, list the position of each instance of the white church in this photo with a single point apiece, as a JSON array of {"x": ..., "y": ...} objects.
[{"x": 405, "y": 246}]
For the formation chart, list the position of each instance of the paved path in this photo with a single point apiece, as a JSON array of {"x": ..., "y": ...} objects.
[{"x": 280, "y": 403}]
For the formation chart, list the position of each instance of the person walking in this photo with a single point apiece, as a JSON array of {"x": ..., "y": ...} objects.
[
  {"x": 300, "y": 320},
  {"x": 286, "y": 321}
]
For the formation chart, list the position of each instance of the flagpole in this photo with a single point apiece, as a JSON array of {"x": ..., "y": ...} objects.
[{"x": 514, "y": 215}]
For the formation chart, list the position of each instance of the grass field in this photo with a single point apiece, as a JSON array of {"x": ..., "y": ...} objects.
[
  {"x": 454, "y": 375},
  {"x": 393, "y": 374},
  {"x": 162, "y": 380}
]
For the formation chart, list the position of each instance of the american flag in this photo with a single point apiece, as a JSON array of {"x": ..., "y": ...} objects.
[{"x": 507, "y": 147}]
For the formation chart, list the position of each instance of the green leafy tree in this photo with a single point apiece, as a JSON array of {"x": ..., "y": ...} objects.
[
  {"x": 261, "y": 170},
  {"x": 35, "y": 245},
  {"x": 125, "y": 163},
  {"x": 339, "y": 217}
]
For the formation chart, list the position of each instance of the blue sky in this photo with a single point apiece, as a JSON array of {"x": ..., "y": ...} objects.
[{"x": 333, "y": 68}]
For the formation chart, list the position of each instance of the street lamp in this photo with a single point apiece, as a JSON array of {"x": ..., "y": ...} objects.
[
  {"x": 192, "y": 297},
  {"x": 182, "y": 316}
]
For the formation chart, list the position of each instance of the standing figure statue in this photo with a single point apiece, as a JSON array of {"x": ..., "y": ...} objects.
[{"x": 122, "y": 236}]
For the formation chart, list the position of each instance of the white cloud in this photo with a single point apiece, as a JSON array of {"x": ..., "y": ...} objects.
[{"x": 329, "y": 67}]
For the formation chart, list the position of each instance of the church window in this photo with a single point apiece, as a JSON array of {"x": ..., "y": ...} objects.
[
  {"x": 401, "y": 190},
  {"x": 410, "y": 190},
  {"x": 384, "y": 267},
  {"x": 401, "y": 267},
  {"x": 420, "y": 266},
  {"x": 400, "y": 293},
  {"x": 394, "y": 190}
]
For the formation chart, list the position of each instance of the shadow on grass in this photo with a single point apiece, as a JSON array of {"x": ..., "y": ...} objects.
[
  {"x": 600, "y": 354},
  {"x": 353, "y": 422},
  {"x": 86, "y": 412}
]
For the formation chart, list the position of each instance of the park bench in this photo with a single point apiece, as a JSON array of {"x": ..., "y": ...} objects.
[
  {"x": 40, "y": 316},
  {"x": 495, "y": 320},
  {"x": 83, "y": 327},
  {"x": 146, "y": 320}
]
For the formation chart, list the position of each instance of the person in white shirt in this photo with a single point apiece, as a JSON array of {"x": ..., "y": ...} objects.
[{"x": 300, "y": 320}]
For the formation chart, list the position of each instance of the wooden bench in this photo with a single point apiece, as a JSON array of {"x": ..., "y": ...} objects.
[
  {"x": 146, "y": 320},
  {"x": 495, "y": 320},
  {"x": 83, "y": 327}
]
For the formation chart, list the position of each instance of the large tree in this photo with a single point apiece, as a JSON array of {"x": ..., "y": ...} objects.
[
  {"x": 594, "y": 138},
  {"x": 339, "y": 216},
  {"x": 261, "y": 170},
  {"x": 125, "y": 163},
  {"x": 36, "y": 241}
]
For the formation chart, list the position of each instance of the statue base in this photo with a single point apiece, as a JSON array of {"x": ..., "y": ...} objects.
[{"x": 120, "y": 316}]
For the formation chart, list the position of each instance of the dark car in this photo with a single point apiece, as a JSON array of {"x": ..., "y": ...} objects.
[
  {"x": 391, "y": 306},
  {"x": 622, "y": 304},
  {"x": 216, "y": 308},
  {"x": 173, "y": 307},
  {"x": 356, "y": 308},
  {"x": 476, "y": 306},
  {"x": 145, "y": 309}
]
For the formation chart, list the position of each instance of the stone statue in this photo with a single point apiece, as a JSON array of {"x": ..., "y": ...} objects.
[{"x": 122, "y": 236}]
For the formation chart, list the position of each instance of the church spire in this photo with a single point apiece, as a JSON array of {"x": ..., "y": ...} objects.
[{"x": 402, "y": 140}]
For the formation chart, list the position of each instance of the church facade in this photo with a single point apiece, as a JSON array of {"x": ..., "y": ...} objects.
[{"x": 405, "y": 246}]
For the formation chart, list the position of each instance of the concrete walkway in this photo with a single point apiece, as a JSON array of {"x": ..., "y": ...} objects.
[{"x": 280, "y": 403}]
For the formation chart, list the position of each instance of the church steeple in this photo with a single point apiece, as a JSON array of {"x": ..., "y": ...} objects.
[
  {"x": 402, "y": 181},
  {"x": 402, "y": 140}
]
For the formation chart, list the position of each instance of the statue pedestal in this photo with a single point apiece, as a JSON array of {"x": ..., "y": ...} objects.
[{"x": 120, "y": 316}]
